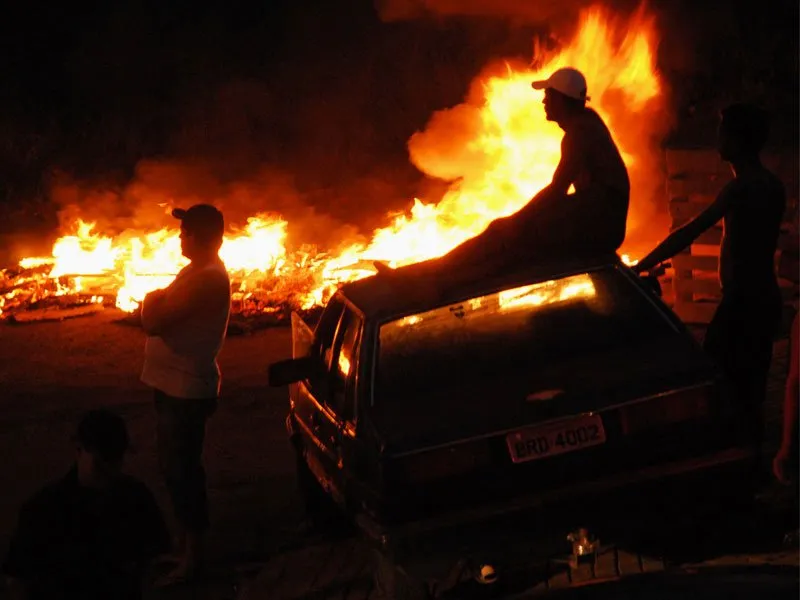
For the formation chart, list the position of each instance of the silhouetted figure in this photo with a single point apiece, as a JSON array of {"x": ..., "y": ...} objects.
[
  {"x": 556, "y": 223},
  {"x": 186, "y": 325},
  {"x": 786, "y": 462},
  {"x": 741, "y": 333},
  {"x": 91, "y": 535}
]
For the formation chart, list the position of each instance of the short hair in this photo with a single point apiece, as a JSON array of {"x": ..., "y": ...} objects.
[
  {"x": 103, "y": 434},
  {"x": 748, "y": 123}
]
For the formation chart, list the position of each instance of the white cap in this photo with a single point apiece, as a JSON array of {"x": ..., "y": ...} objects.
[{"x": 567, "y": 81}]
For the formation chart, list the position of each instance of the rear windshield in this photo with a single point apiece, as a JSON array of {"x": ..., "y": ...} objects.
[{"x": 502, "y": 339}]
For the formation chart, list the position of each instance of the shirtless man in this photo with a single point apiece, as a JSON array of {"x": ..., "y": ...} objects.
[
  {"x": 751, "y": 206},
  {"x": 590, "y": 221}
]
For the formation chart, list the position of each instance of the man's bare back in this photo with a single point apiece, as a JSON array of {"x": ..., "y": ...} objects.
[{"x": 751, "y": 226}]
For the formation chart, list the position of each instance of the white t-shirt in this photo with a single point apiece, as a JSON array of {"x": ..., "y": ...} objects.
[{"x": 182, "y": 361}]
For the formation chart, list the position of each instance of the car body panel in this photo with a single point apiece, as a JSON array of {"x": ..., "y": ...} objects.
[{"x": 458, "y": 463}]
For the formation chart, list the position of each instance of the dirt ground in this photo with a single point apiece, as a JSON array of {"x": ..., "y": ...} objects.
[{"x": 51, "y": 372}]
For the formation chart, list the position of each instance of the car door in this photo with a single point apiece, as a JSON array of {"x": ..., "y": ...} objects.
[
  {"x": 311, "y": 397},
  {"x": 342, "y": 403}
]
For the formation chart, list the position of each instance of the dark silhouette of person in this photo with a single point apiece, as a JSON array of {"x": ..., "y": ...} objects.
[
  {"x": 786, "y": 463},
  {"x": 556, "y": 223},
  {"x": 92, "y": 534},
  {"x": 186, "y": 324},
  {"x": 751, "y": 206}
]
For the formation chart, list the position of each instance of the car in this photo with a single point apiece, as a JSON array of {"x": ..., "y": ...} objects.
[{"x": 457, "y": 419}]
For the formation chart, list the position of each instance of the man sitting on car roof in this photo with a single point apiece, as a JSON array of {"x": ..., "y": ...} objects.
[{"x": 590, "y": 221}]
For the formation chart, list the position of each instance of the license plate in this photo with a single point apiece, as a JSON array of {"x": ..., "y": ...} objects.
[{"x": 556, "y": 438}]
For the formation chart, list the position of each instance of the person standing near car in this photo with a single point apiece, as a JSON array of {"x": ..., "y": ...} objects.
[
  {"x": 751, "y": 206},
  {"x": 186, "y": 325}
]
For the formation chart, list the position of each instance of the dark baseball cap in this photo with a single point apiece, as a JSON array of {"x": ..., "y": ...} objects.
[
  {"x": 104, "y": 434},
  {"x": 201, "y": 219}
]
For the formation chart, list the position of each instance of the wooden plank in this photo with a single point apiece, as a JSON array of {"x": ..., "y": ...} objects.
[
  {"x": 705, "y": 287},
  {"x": 55, "y": 313},
  {"x": 702, "y": 160},
  {"x": 686, "y": 185},
  {"x": 687, "y": 207},
  {"x": 683, "y": 212},
  {"x": 685, "y": 262},
  {"x": 712, "y": 237},
  {"x": 679, "y": 273},
  {"x": 783, "y": 163},
  {"x": 695, "y": 312}
]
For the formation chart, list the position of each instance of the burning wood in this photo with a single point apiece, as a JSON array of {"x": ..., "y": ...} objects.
[{"x": 497, "y": 147}]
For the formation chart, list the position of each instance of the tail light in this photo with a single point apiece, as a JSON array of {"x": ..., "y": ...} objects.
[
  {"x": 444, "y": 462},
  {"x": 673, "y": 408}
]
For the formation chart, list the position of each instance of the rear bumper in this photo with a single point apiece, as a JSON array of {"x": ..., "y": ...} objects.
[{"x": 434, "y": 544}]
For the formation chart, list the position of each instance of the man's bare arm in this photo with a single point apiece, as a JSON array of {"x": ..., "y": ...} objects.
[
  {"x": 567, "y": 170},
  {"x": 688, "y": 233},
  {"x": 180, "y": 302}
]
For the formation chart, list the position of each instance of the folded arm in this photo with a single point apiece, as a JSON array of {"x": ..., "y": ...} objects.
[{"x": 164, "y": 309}]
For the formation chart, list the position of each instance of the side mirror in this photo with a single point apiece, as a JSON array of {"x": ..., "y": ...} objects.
[{"x": 289, "y": 371}]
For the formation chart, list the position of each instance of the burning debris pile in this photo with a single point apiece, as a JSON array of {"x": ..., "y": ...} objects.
[
  {"x": 29, "y": 293},
  {"x": 89, "y": 271},
  {"x": 504, "y": 153}
]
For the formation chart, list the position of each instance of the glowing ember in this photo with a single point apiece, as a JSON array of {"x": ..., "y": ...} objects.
[{"x": 509, "y": 154}]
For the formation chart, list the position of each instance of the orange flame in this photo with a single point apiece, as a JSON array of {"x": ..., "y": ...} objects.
[{"x": 508, "y": 153}]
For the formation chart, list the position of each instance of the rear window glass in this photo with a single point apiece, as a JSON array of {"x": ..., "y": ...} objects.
[{"x": 502, "y": 338}]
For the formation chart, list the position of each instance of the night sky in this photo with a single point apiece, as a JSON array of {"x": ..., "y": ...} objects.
[{"x": 326, "y": 93}]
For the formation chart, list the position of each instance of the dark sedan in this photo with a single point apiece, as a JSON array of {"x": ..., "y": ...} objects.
[{"x": 461, "y": 422}]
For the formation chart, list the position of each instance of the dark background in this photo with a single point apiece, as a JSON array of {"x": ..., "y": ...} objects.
[{"x": 323, "y": 94}]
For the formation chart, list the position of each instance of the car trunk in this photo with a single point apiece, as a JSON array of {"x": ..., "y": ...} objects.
[{"x": 652, "y": 402}]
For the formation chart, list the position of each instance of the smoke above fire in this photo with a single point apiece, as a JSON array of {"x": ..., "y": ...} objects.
[
  {"x": 145, "y": 203},
  {"x": 550, "y": 12},
  {"x": 469, "y": 145},
  {"x": 492, "y": 153}
]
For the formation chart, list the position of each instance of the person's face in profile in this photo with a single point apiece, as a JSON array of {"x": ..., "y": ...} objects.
[
  {"x": 188, "y": 243},
  {"x": 554, "y": 106},
  {"x": 728, "y": 144}
]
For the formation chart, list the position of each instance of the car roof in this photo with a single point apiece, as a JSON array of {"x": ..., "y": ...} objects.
[{"x": 407, "y": 290}]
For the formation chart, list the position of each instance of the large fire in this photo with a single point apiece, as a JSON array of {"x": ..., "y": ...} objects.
[{"x": 510, "y": 154}]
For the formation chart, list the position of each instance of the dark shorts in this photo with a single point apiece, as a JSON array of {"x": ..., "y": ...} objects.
[
  {"x": 587, "y": 222},
  {"x": 584, "y": 224},
  {"x": 181, "y": 433},
  {"x": 740, "y": 337}
]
